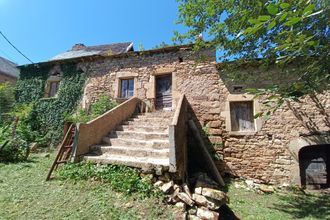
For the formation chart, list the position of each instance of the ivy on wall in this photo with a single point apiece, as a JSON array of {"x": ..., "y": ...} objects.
[{"x": 48, "y": 113}]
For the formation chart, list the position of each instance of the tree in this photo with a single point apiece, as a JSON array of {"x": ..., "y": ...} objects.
[{"x": 280, "y": 32}]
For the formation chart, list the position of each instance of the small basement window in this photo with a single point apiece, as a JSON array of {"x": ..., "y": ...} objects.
[
  {"x": 126, "y": 88},
  {"x": 241, "y": 116}
]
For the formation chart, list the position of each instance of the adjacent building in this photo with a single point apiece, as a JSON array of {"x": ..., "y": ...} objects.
[{"x": 8, "y": 71}]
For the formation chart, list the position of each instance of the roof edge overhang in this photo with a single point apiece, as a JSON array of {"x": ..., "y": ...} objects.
[{"x": 126, "y": 54}]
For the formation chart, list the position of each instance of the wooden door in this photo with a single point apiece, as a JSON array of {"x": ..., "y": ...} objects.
[
  {"x": 164, "y": 91},
  {"x": 314, "y": 166}
]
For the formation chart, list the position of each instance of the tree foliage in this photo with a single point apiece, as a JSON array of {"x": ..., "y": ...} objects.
[{"x": 291, "y": 33}]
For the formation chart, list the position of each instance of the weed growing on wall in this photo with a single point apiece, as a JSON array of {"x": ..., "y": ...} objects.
[
  {"x": 48, "y": 113},
  {"x": 101, "y": 106}
]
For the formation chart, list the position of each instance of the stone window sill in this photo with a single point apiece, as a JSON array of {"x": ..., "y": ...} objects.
[
  {"x": 242, "y": 133},
  {"x": 121, "y": 100}
]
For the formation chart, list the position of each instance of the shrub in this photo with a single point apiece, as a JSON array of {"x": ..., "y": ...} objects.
[
  {"x": 12, "y": 147},
  {"x": 102, "y": 105},
  {"x": 7, "y": 101},
  {"x": 121, "y": 178}
]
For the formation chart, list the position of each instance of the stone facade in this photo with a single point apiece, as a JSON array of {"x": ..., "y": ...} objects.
[{"x": 262, "y": 155}]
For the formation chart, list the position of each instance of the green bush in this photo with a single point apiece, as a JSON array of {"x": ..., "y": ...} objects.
[
  {"x": 102, "y": 105},
  {"x": 7, "y": 101},
  {"x": 121, "y": 178},
  {"x": 13, "y": 148}
]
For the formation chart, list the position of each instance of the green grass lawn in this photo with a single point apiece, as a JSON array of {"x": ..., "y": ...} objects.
[
  {"x": 289, "y": 205},
  {"x": 24, "y": 194}
]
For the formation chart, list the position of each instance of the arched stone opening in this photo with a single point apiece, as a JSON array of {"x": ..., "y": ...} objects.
[
  {"x": 314, "y": 166},
  {"x": 310, "y": 158}
]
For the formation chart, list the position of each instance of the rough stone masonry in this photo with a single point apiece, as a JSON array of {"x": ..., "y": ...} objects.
[{"x": 262, "y": 155}]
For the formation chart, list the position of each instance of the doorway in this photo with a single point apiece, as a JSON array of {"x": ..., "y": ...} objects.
[
  {"x": 164, "y": 92},
  {"x": 314, "y": 166}
]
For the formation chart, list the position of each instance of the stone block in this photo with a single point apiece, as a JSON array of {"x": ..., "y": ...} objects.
[
  {"x": 167, "y": 187},
  {"x": 207, "y": 202},
  {"x": 185, "y": 198},
  {"x": 204, "y": 213},
  {"x": 215, "y": 194}
]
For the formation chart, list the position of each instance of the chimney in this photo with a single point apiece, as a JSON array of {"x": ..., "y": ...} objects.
[{"x": 79, "y": 46}]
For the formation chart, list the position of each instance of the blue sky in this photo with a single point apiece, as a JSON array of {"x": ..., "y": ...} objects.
[{"x": 43, "y": 28}]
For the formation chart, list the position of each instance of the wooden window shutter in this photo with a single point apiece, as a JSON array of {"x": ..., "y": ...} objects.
[{"x": 241, "y": 115}]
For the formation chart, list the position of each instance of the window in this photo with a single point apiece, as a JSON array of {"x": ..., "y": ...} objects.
[
  {"x": 127, "y": 88},
  {"x": 53, "y": 88},
  {"x": 241, "y": 116}
]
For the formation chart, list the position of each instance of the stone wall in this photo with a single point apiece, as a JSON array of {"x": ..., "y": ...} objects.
[{"x": 262, "y": 155}]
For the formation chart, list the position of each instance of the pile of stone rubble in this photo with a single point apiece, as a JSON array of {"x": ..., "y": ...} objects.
[{"x": 202, "y": 200}]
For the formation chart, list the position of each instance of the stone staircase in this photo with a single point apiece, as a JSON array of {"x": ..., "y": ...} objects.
[{"x": 141, "y": 141}]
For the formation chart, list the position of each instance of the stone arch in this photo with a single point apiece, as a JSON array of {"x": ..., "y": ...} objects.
[{"x": 296, "y": 145}]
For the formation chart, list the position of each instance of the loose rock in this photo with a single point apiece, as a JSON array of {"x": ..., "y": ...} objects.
[
  {"x": 198, "y": 190},
  {"x": 204, "y": 213},
  {"x": 186, "y": 189},
  {"x": 158, "y": 184},
  {"x": 266, "y": 189},
  {"x": 215, "y": 194},
  {"x": 207, "y": 202},
  {"x": 185, "y": 198},
  {"x": 167, "y": 187},
  {"x": 181, "y": 206}
]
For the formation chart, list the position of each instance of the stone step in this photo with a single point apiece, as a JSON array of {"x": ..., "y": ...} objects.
[
  {"x": 130, "y": 151},
  {"x": 152, "y": 117},
  {"x": 138, "y": 135},
  {"x": 139, "y": 162},
  {"x": 137, "y": 127},
  {"x": 151, "y": 120},
  {"x": 159, "y": 113},
  {"x": 155, "y": 144},
  {"x": 146, "y": 123}
]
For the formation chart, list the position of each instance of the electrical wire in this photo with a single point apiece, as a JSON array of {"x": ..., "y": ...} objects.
[{"x": 15, "y": 47}]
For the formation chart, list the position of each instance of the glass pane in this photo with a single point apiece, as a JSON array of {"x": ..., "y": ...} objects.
[
  {"x": 123, "y": 88},
  {"x": 127, "y": 88},
  {"x": 130, "y": 87}
]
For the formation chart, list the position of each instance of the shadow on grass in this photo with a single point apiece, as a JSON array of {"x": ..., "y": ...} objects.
[{"x": 305, "y": 205}]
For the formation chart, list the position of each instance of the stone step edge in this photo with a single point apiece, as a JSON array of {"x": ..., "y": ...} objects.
[
  {"x": 148, "y": 149},
  {"x": 139, "y": 132},
  {"x": 137, "y": 140},
  {"x": 129, "y": 159},
  {"x": 141, "y": 126}
]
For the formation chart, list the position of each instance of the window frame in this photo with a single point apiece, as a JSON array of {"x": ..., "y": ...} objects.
[
  {"x": 227, "y": 113},
  {"x": 57, "y": 83},
  {"x": 130, "y": 79},
  {"x": 250, "y": 115},
  {"x": 48, "y": 86}
]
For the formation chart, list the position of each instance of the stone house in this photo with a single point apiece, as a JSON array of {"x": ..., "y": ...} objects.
[
  {"x": 291, "y": 147},
  {"x": 8, "y": 71}
]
